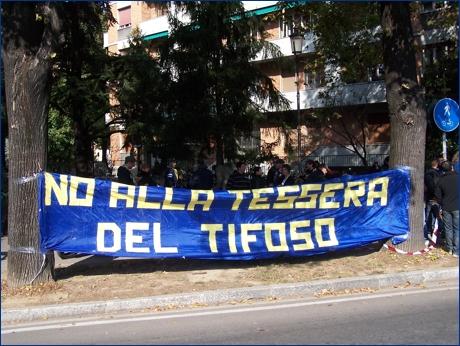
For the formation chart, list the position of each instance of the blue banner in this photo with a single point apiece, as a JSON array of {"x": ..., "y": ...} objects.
[{"x": 99, "y": 217}]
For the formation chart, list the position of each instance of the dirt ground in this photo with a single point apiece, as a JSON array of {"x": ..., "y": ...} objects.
[{"x": 148, "y": 277}]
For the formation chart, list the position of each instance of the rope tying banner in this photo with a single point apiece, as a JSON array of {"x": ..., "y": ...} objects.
[{"x": 431, "y": 244}]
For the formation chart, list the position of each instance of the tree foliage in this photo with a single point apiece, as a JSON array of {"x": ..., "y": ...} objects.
[
  {"x": 346, "y": 38},
  {"x": 217, "y": 93},
  {"x": 138, "y": 87},
  {"x": 79, "y": 91}
]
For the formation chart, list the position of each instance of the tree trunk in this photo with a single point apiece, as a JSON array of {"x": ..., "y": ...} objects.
[
  {"x": 406, "y": 103},
  {"x": 27, "y": 44},
  {"x": 82, "y": 140}
]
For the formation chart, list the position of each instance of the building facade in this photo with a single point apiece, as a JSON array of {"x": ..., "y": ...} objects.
[{"x": 325, "y": 143}]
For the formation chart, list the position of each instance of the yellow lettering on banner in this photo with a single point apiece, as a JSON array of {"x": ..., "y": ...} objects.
[
  {"x": 239, "y": 197},
  {"x": 131, "y": 238},
  {"x": 319, "y": 232},
  {"x": 311, "y": 203},
  {"x": 142, "y": 203},
  {"x": 102, "y": 227},
  {"x": 212, "y": 229},
  {"x": 115, "y": 195},
  {"x": 60, "y": 191},
  {"x": 283, "y": 201},
  {"x": 157, "y": 241},
  {"x": 351, "y": 194},
  {"x": 257, "y": 201},
  {"x": 232, "y": 238},
  {"x": 167, "y": 205},
  {"x": 249, "y": 238},
  {"x": 305, "y": 236},
  {"x": 329, "y": 193},
  {"x": 281, "y": 228},
  {"x": 205, "y": 203},
  {"x": 382, "y": 195},
  {"x": 87, "y": 201}
]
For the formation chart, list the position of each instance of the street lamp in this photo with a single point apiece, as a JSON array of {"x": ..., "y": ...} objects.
[{"x": 296, "y": 46}]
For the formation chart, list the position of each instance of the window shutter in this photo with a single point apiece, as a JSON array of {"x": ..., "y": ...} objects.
[{"x": 124, "y": 17}]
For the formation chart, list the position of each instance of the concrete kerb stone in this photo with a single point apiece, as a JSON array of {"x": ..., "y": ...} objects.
[{"x": 229, "y": 295}]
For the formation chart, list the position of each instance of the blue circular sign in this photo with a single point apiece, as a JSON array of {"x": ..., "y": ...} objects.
[{"x": 446, "y": 115}]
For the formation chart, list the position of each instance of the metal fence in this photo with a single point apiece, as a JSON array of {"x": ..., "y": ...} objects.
[{"x": 347, "y": 160}]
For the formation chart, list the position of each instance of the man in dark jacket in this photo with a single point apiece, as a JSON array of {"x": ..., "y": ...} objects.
[
  {"x": 238, "y": 180},
  {"x": 431, "y": 205},
  {"x": 318, "y": 175},
  {"x": 171, "y": 175},
  {"x": 124, "y": 172},
  {"x": 202, "y": 178},
  {"x": 257, "y": 182},
  {"x": 274, "y": 173},
  {"x": 446, "y": 194}
]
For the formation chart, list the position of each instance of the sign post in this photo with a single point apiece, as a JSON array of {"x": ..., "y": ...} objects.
[{"x": 446, "y": 118}]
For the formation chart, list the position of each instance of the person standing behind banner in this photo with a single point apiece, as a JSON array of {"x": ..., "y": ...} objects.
[
  {"x": 257, "y": 182},
  {"x": 202, "y": 178},
  {"x": 440, "y": 159},
  {"x": 318, "y": 175},
  {"x": 309, "y": 169},
  {"x": 455, "y": 162},
  {"x": 386, "y": 164},
  {"x": 124, "y": 172},
  {"x": 431, "y": 205},
  {"x": 238, "y": 180},
  {"x": 446, "y": 194},
  {"x": 286, "y": 177},
  {"x": 144, "y": 177},
  {"x": 274, "y": 173},
  {"x": 375, "y": 168},
  {"x": 171, "y": 175}
]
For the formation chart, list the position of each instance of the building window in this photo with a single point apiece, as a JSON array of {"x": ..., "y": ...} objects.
[
  {"x": 312, "y": 79},
  {"x": 433, "y": 6},
  {"x": 124, "y": 18},
  {"x": 160, "y": 8},
  {"x": 376, "y": 73},
  {"x": 288, "y": 21}
]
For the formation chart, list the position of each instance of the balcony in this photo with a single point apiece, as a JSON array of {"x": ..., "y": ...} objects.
[{"x": 124, "y": 33}]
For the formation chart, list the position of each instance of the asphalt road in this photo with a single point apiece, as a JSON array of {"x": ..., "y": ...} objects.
[{"x": 426, "y": 314}]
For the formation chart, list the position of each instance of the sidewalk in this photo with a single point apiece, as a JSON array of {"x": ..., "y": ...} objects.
[
  {"x": 217, "y": 296},
  {"x": 224, "y": 296}
]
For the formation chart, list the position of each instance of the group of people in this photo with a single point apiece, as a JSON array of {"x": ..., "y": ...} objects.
[
  {"x": 278, "y": 175},
  {"x": 203, "y": 178},
  {"x": 375, "y": 168},
  {"x": 441, "y": 201},
  {"x": 128, "y": 174},
  {"x": 317, "y": 172}
]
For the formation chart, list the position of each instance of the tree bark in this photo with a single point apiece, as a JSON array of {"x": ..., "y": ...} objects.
[
  {"x": 82, "y": 140},
  {"x": 27, "y": 45},
  {"x": 406, "y": 103}
]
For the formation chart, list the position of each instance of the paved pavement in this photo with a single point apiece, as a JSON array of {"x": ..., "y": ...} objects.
[{"x": 215, "y": 297}]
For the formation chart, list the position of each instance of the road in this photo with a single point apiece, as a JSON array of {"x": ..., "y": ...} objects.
[{"x": 426, "y": 314}]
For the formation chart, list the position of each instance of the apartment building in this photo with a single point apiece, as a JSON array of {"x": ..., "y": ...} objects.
[{"x": 317, "y": 142}]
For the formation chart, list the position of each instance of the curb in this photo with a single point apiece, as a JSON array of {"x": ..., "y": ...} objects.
[{"x": 223, "y": 296}]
